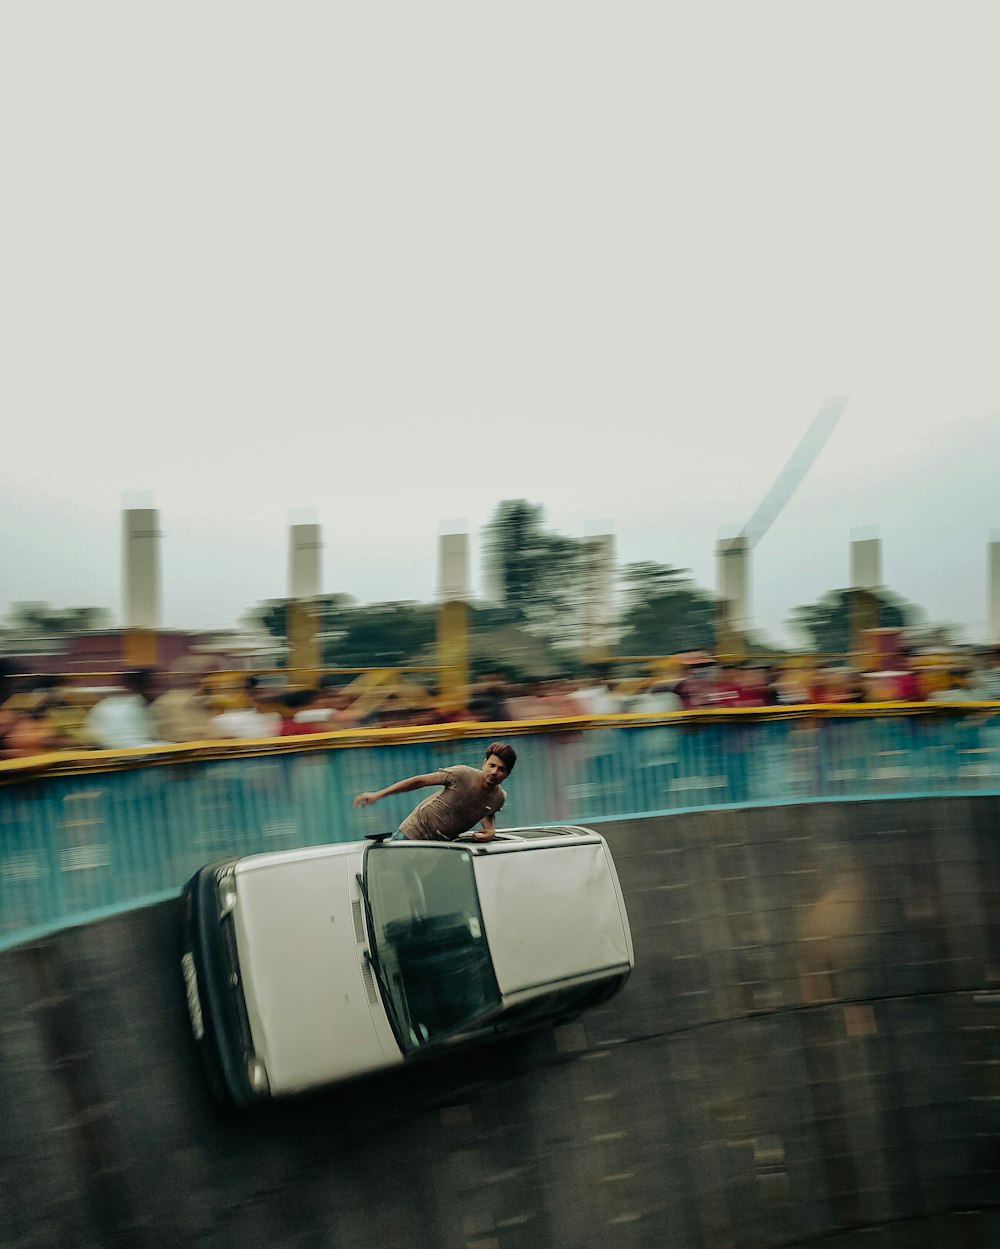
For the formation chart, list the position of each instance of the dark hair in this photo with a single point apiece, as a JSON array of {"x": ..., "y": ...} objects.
[
  {"x": 139, "y": 680},
  {"x": 295, "y": 700},
  {"x": 506, "y": 754},
  {"x": 8, "y": 671}
]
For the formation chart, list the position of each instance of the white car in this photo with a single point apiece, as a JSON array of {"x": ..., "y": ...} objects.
[{"x": 310, "y": 966}]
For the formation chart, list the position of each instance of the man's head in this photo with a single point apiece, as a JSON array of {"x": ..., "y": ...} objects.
[
  {"x": 9, "y": 671},
  {"x": 254, "y": 689},
  {"x": 499, "y": 763},
  {"x": 298, "y": 700},
  {"x": 189, "y": 672},
  {"x": 141, "y": 681}
]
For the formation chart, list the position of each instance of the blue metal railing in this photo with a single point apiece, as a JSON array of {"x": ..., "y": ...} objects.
[{"x": 78, "y": 846}]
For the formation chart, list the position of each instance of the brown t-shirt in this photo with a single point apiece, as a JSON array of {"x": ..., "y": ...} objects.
[{"x": 453, "y": 810}]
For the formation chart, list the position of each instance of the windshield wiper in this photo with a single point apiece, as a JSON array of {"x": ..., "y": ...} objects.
[
  {"x": 374, "y": 963},
  {"x": 493, "y": 1011}
]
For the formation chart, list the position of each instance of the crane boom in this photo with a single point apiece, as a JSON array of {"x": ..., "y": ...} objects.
[{"x": 790, "y": 477}]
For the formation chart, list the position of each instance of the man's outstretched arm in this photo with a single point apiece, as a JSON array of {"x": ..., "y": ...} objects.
[
  {"x": 488, "y": 830},
  {"x": 400, "y": 787}
]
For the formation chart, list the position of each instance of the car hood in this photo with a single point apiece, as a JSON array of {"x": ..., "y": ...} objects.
[
  {"x": 315, "y": 1015},
  {"x": 552, "y": 914}
]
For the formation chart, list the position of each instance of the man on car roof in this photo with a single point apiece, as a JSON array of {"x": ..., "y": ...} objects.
[{"x": 468, "y": 796}]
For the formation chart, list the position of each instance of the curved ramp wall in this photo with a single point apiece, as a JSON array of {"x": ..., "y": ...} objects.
[{"x": 807, "y": 1053}]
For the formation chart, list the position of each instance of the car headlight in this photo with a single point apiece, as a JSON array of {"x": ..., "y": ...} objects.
[
  {"x": 257, "y": 1075},
  {"x": 227, "y": 893}
]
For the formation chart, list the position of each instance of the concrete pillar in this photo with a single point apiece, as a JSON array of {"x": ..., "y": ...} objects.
[
  {"x": 993, "y": 591},
  {"x": 598, "y": 612},
  {"x": 305, "y": 546},
  {"x": 866, "y": 563},
  {"x": 453, "y": 568},
  {"x": 453, "y": 620},
  {"x": 866, "y": 579},
  {"x": 141, "y": 585},
  {"x": 733, "y": 581}
]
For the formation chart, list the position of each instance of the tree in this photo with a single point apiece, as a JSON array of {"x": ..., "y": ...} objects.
[
  {"x": 827, "y": 622},
  {"x": 355, "y": 635},
  {"x": 271, "y": 616},
  {"x": 536, "y": 577},
  {"x": 664, "y": 611},
  {"x": 380, "y": 635},
  {"x": 41, "y": 620}
]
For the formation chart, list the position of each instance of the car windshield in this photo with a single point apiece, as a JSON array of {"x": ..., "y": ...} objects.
[{"x": 429, "y": 943}]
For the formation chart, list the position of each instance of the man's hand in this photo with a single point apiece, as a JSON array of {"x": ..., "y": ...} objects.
[
  {"x": 401, "y": 787},
  {"x": 487, "y": 832}
]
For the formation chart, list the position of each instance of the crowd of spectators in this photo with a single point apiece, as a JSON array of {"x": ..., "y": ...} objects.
[{"x": 146, "y": 708}]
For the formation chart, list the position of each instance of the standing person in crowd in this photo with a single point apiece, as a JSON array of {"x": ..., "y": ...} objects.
[
  {"x": 32, "y": 733},
  {"x": 36, "y": 727},
  {"x": 9, "y": 718},
  {"x": 487, "y": 700},
  {"x": 254, "y": 720},
  {"x": 296, "y": 704},
  {"x": 327, "y": 709},
  {"x": 123, "y": 721},
  {"x": 184, "y": 713},
  {"x": 658, "y": 697},
  {"x": 467, "y": 796},
  {"x": 987, "y": 680},
  {"x": 772, "y": 680},
  {"x": 700, "y": 685},
  {"x": 792, "y": 688},
  {"x": 909, "y": 689},
  {"x": 958, "y": 688}
]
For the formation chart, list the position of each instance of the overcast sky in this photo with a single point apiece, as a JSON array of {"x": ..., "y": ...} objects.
[{"x": 383, "y": 265}]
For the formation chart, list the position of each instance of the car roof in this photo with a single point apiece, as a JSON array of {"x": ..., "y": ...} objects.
[
  {"x": 552, "y": 912},
  {"x": 513, "y": 839},
  {"x": 508, "y": 840}
]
